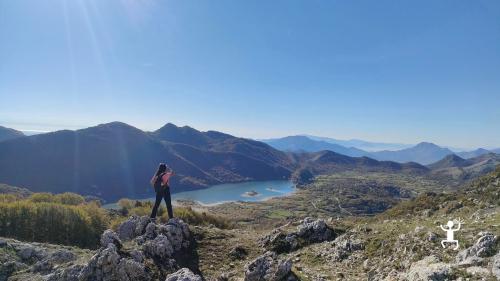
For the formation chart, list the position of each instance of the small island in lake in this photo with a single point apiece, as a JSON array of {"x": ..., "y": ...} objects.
[{"x": 251, "y": 193}]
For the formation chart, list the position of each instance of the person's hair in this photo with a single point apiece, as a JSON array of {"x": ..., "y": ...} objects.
[{"x": 161, "y": 169}]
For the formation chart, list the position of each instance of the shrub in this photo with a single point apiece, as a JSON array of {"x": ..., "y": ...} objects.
[
  {"x": 41, "y": 219},
  {"x": 69, "y": 198},
  {"x": 41, "y": 197}
]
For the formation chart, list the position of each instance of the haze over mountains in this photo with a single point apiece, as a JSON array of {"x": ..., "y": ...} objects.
[{"x": 424, "y": 153}]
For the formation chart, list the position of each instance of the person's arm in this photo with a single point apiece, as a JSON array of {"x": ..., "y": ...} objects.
[
  {"x": 443, "y": 228},
  {"x": 458, "y": 228},
  {"x": 152, "y": 181},
  {"x": 165, "y": 181}
]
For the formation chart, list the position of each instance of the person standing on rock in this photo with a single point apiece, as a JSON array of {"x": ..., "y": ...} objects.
[{"x": 160, "y": 182}]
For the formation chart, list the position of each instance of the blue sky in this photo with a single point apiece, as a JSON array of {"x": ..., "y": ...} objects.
[{"x": 399, "y": 71}]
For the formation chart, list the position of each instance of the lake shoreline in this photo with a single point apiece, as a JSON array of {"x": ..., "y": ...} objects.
[{"x": 227, "y": 193}]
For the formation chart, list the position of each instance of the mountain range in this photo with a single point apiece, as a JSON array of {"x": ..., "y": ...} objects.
[
  {"x": 423, "y": 153},
  {"x": 116, "y": 160},
  {"x": 307, "y": 144},
  {"x": 459, "y": 168},
  {"x": 362, "y": 144}
]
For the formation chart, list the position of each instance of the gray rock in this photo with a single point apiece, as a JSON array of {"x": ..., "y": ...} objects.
[
  {"x": 280, "y": 242},
  {"x": 65, "y": 274},
  {"x": 138, "y": 256},
  {"x": 344, "y": 246},
  {"x": 159, "y": 248},
  {"x": 44, "y": 266},
  {"x": 429, "y": 268},
  {"x": 133, "y": 227},
  {"x": 314, "y": 230},
  {"x": 28, "y": 252},
  {"x": 431, "y": 236},
  {"x": 477, "y": 271},
  {"x": 495, "y": 269},
  {"x": 175, "y": 236},
  {"x": 268, "y": 268},
  {"x": 109, "y": 236},
  {"x": 131, "y": 270},
  {"x": 107, "y": 264},
  {"x": 7, "y": 268},
  {"x": 308, "y": 232},
  {"x": 474, "y": 255},
  {"x": 141, "y": 225},
  {"x": 62, "y": 256},
  {"x": 183, "y": 274},
  {"x": 126, "y": 230},
  {"x": 151, "y": 231}
]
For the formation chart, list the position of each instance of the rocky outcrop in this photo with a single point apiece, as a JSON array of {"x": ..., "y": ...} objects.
[
  {"x": 344, "y": 246},
  {"x": 110, "y": 264},
  {"x": 314, "y": 231},
  {"x": 133, "y": 227},
  {"x": 429, "y": 268},
  {"x": 183, "y": 274},
  {"x": 157, "y": 242},
  {"x": 35, "y": 259},
  {"x": 495, "y": 269},
  {"x": 269, "y": 268},
  {"x": 110, "y": 236},
  {"x": 148, "y": 254},
  {"x": 308, "y": 232},
  {"x": 475, "y": 254}
]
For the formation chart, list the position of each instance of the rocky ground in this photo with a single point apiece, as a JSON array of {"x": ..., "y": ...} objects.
[{"x": 402, "y": 243}]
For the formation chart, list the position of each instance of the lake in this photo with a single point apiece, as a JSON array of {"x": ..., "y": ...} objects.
[{"x": 245, "y": 191}]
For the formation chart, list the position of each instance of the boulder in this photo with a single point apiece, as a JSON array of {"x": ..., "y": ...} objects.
[
  {"x": 495, "y": 269},
  {"x": 308, "y": 232},
  {"x": 280, "y": 242},
  {"x": 28, "y": 252},
  {"x": 314, "y": 231},
  {"x": 110, "y": 236},
  {"x": 268, "y": 268},
  {"x": 158, "y": 248},
  {"x": 344, "y": 246},
  {"x": 133, "y": 227},
  {"x": 429, "y": 268},
  {"x": 108, "y": 264},
  {"x": 65, "y": 274},
  {"x": 183, "y": 274},
  {"x": 474, "y": 255},
  {"x": 62, "y": 256},
  {"x": 175, "y": 233},
  {"x": 7, "y": 268}
]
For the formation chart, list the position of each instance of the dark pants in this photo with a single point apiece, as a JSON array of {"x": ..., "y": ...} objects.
[{"x": 163, "y": 193}]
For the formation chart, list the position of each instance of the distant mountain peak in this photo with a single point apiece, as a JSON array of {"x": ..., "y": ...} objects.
[
  {"x": 451, "y": 160},
  {"x": 115, "y": 125},
  {"x": 8, "y": 133},
  {"x": 425, "y": 144}
]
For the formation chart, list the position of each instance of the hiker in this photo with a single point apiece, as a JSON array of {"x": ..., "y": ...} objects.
[{"x": 160, "y": 183}]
